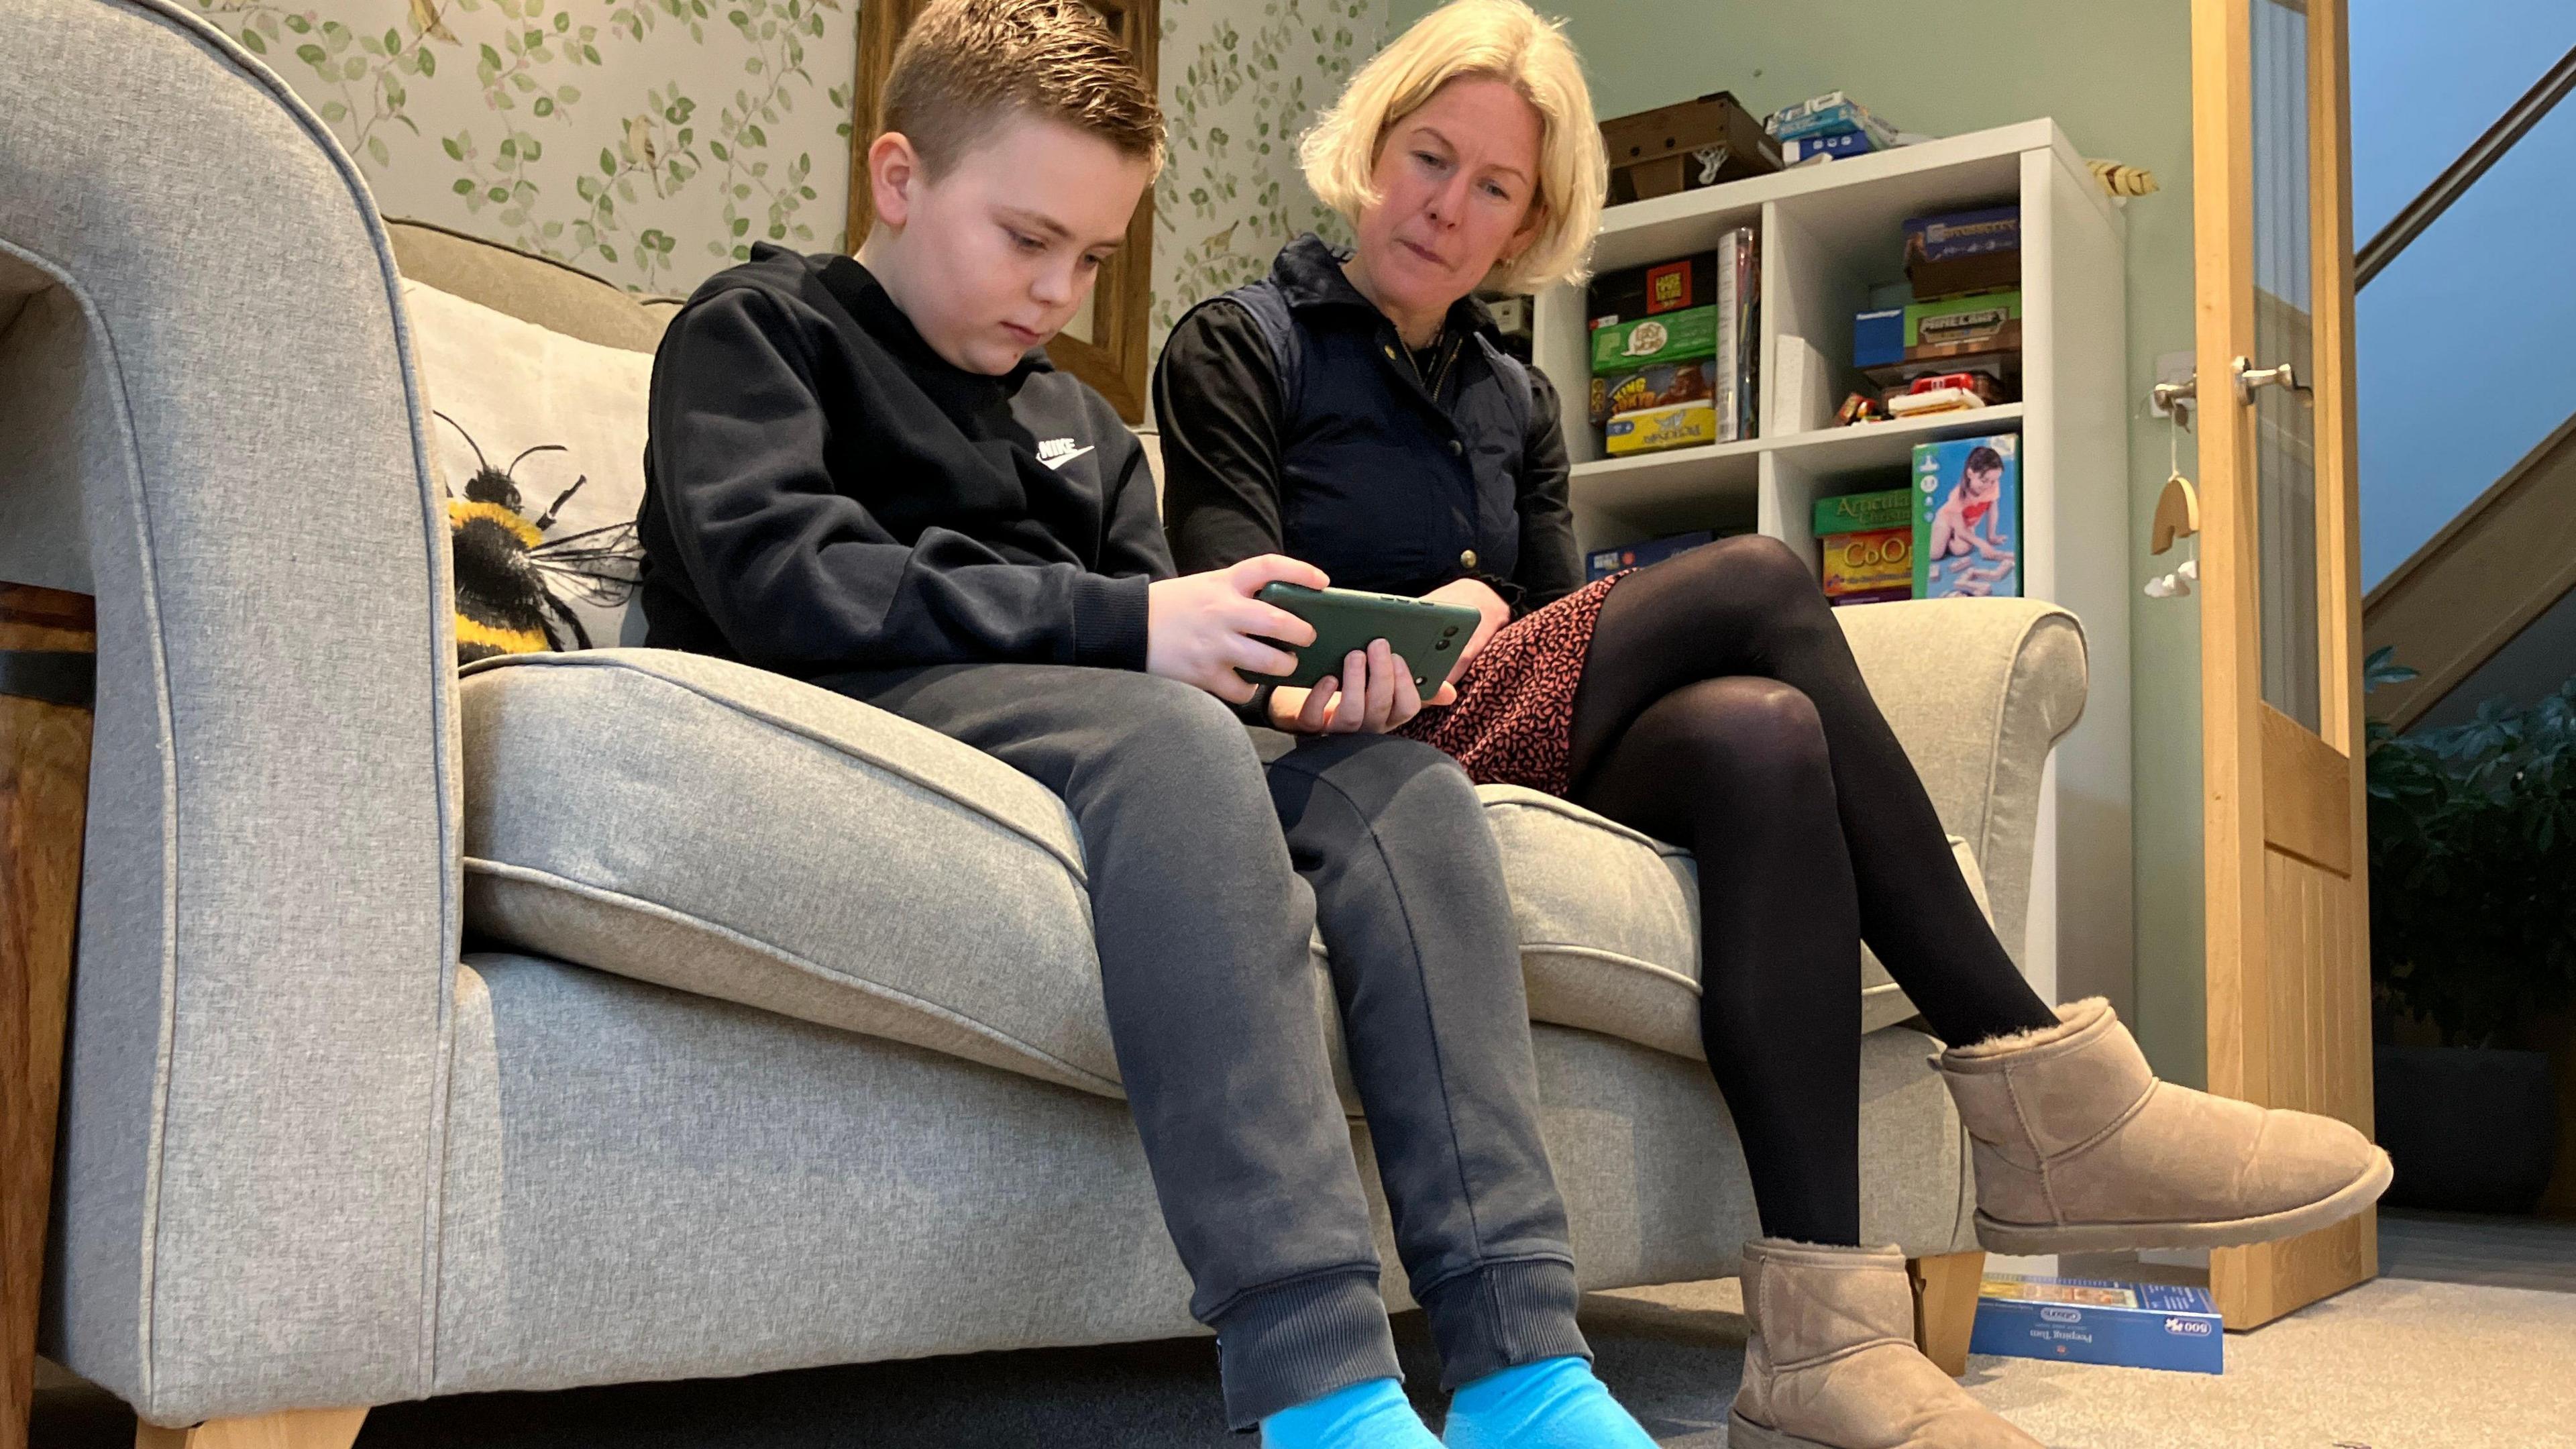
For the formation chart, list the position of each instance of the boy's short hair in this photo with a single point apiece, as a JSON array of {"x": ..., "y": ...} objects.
[
  {"x": 968, "y": 66},
  {"x": 1510, "y": 42}
]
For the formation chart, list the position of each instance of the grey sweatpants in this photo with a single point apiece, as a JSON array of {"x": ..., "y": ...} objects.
[{"x": 1205, "y": 879}]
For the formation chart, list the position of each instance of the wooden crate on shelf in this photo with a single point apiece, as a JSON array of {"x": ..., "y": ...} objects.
[{"x": 1703, "y": 142}]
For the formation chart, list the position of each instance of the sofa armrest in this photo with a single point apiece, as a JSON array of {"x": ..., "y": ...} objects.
[
  {"x": 1978, "y": 690},
  {"x": 212, "y": 425}
]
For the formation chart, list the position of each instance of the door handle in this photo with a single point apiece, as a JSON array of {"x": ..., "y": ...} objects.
[
  {"x": 2250, "y": 377},
  {"x": 2176, "y": 398}
]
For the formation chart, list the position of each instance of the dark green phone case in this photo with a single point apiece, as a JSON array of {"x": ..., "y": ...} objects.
[{"x": 1425, "y": 635}]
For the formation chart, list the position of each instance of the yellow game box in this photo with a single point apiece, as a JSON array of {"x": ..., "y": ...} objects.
[{"x": 1651, "y": 430}]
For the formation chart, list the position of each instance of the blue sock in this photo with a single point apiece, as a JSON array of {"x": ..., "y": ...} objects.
[
  {"x": 1372, "y": 1415},
  {"x": 1555, "y": 1403}
]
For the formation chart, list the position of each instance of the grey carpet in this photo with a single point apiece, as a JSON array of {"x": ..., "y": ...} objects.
[
  {"x": 2401, "y": 1363},
  {"x": 2460, "y": 1248}
]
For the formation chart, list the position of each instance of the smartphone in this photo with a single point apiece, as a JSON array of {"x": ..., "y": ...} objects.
[{"x": 1425, "y": 635}]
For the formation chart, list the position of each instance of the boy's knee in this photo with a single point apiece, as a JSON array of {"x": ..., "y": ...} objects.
[
  {"x": 1184, "y": 725},
  {"x": 1382, "y": 772}
]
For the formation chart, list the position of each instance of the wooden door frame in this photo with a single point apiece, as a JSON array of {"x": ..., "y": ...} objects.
[
  {"x": 1114, "y": 363},
  {"x": 2272, "y": 788}
]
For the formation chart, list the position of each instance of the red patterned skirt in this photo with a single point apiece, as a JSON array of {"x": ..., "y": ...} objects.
[{"x": 1513, "y": 723}]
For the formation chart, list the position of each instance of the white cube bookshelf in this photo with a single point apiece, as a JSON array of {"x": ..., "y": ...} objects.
[{"x": 1828, "y": 233}]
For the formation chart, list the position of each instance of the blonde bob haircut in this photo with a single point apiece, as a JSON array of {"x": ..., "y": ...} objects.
[{"x": 1504, "y": 39}]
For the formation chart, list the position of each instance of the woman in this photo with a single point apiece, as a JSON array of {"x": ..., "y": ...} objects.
[{"x": 1352, "y": 410}]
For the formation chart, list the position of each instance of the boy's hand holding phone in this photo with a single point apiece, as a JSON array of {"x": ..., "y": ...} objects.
[{"x": 1201, "y": 628}]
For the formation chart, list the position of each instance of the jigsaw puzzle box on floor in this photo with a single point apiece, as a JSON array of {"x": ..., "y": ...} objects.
[{"x": 2133, "y": 1325}]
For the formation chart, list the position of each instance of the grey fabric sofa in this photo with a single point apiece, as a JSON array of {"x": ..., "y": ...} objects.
[{"x": 314, "y": 1153}]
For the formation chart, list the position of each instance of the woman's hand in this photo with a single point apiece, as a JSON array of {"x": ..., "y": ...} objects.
[
  {"x": 1373, "y": 694},
  {"x": 1201, "y": 628},
  {"x": 1478, "y": 595}
]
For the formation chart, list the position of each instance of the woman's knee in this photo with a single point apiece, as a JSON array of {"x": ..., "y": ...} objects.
[
  {"x": 1762, "y": 559},
  {"x": 1751, "y": 589},
  {"x": 1748, "y": 722}
]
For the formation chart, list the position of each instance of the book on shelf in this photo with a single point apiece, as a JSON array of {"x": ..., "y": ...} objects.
[{"x": 1739, "y": 331}]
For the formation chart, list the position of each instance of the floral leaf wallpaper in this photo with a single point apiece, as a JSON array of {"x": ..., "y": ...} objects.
[
  {"x": 1241, "y": 80},
  {"x": 650, "y": 141},
  {"x": 653, "y": 141}
]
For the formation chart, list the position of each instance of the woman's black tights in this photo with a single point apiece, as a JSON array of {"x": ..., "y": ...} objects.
[{"x": 1721, "y": 709}]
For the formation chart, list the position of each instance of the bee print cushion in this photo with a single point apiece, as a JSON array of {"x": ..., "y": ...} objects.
[{"x": 540, "y": 438}]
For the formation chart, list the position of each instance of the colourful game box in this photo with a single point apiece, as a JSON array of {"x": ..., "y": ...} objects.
[
  {"x": 1834, "y": 110},
  {"x": 1963, "y": 251},
  {"x": 1955, "y": 326},
  {"x": 1832, "y": 144},
  {"x": 1651, "y": 430},
  {"x": 1878, "y": 337},
  {"x": 1865, "y": 542},
  {"x": 1663, "y": 385},
  {"x": 2134, "y": 1325},
  {"x": 1684, "y": 336},
  {"x": 1601, "y": 563},
  {"x": 1650, "y": 291},
  {"x": 1967, "y": 518}
]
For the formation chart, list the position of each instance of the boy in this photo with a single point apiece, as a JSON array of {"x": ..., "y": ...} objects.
[{"x": 862, "y": 473}]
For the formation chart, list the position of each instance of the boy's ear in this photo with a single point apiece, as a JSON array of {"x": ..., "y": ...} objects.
[{"x": 894, "y": 175}]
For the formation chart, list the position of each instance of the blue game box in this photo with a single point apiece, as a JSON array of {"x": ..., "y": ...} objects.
[
  {"x": 1601, "y": 563},
  {"x": 2134, "y": 1325}
]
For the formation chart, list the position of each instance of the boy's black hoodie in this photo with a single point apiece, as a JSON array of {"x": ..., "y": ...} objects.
[{"x": 823, "y": 492}]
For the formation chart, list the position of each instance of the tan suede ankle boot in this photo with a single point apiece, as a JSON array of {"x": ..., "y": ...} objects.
[
  {"x": 1832, "y": 1363},
  {"x": 2079, "y": 1148}
]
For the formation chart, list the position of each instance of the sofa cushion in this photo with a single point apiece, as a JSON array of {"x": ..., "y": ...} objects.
[
  {"x": 539, "y": 437},
  {"x": 719, "y": 829},
  {"x": 1609, "y": 924},
  {"x": 554, "y": 295},
  {"x": 679, "y": 848}
]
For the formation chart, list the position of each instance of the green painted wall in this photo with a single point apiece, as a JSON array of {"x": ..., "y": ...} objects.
[{"x": 2117, "y": 79}]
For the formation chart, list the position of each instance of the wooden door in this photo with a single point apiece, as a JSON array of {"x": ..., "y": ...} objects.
[{"x": 2288, "y": 947}]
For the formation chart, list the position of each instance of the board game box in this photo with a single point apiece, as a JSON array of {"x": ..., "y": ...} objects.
[
  {"x": 1963, "y": 251},
  {"x": 2133, "y": 1325},
  {"x": 1631, "y": 344},
  {"x": 1950, "y": 326},
  {"x": 1601, "y": 563},
  {"x": 1865, "y": 542},
  {"x": 1651, "y": 430},
  {"x": 1663, "y": 385},
  {"x": 1629, "y": 293},
  {"x": 1967, "y": 518}
]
